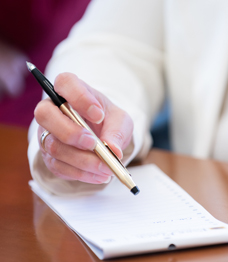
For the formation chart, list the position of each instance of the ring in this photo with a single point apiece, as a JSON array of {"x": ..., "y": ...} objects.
[{"x": 43, "y": 137}]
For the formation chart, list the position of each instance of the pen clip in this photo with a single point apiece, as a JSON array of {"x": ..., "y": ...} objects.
[{"x": 117, "y": 158}]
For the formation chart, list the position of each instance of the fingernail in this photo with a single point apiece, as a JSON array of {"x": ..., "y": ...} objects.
[
  {"x": 104, "y": 181},
  {"x": 105, "y": 169},
  {"x": 87, "y": 142},
  {"x": 108, "y": 180},
  {"x": 96, "y": 114}
]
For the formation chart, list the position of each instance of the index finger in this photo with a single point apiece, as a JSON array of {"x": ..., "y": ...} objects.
[
  {"x": 52, "y": 119},
  {"x": 76, "y": 92}
]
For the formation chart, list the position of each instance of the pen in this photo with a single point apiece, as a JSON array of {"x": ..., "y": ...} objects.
[{"x": 102, "y": 149}]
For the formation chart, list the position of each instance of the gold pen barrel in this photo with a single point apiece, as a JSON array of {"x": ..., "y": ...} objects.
[
  {"x": 73, "y": 115},
  {"x": 115, "y": 165},
  {"x": 103, "y": 151}
]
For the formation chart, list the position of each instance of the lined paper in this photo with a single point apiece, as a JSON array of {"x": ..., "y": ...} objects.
[{"x": 117, "y": 223}]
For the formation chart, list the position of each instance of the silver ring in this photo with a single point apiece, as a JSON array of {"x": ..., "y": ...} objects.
[{"x": 43, "y": 137}]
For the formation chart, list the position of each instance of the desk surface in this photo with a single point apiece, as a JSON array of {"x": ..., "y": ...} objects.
[{"x": 30, "y": 231}]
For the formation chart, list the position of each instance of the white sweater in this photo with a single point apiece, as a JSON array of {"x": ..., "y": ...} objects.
[{"x": 138, "y": 51}]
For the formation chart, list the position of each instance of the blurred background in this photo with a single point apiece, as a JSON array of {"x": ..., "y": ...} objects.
[{"x": 29, "y": 30}]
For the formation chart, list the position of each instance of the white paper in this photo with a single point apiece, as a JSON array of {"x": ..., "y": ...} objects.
[{"x": 114, "y": 222}]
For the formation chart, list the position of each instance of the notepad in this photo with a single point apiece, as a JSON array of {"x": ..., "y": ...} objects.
[{"x": 115, "y": 223}]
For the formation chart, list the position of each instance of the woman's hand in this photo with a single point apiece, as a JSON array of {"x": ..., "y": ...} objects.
[{"x": 68, "y": 149}]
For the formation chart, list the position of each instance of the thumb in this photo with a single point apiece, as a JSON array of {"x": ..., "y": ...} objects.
[{"x": 117, "y": 130}]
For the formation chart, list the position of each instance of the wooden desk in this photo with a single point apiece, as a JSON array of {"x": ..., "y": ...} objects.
[{"x": 30, "y": 231}]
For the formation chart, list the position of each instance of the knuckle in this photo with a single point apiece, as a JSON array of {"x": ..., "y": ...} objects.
[
  {"x": 71, "y": 135},
  {"x": 52, "y": 146},
  {"x": 54, "y": 167},
  {"x": 50, "y": 163},
  {"x": 118, "y": 135},
  {"x": 71, "y": 82},
  {"x": 80, "y": 97},
  {"x": 63, "y": 79},
  {"x": 40, "y": 112},
  {"x": 68, "y": 136}
]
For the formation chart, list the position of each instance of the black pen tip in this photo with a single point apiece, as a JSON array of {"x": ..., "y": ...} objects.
[
  {"x": 135, "y": 190},
  {"x": 30, "y": 66}
]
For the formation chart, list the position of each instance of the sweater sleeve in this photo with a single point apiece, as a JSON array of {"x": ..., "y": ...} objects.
[{"x": 117, "y": 49}]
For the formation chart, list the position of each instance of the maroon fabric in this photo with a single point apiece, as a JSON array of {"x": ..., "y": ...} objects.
[{"x": 35, "y": 27}]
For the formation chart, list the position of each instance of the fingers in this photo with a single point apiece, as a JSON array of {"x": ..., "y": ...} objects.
[
  {"x": 52, "y": 119},
  {"x": 78, "y": 94},
  {"x": 67, "y": 172},
  {"x": 71, "y": 163},
  {"x": 66, "y": 149}
]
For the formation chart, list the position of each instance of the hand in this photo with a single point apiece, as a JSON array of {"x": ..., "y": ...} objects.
[{"x": 68, "y": 149}]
